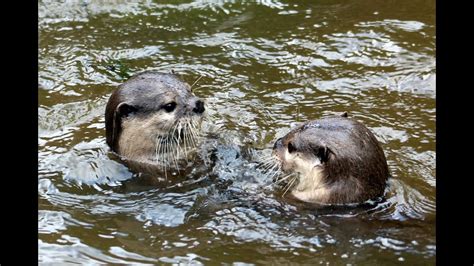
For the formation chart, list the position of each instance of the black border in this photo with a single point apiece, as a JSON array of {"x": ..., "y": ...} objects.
[
  {"x": 19, "y": 120},
  {"x": 454, "y": 152}
]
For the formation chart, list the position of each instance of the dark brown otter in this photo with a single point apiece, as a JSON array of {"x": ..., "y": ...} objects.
[
  {"x": 335, "y": 160},
  {"x": 153, "y": 118}
]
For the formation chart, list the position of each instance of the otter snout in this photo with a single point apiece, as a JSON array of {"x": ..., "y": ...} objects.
[
  {"x": 279, "y": 153},
  {"x": 278, "y": 148},
  {"x": 278, "y": 144},
  {"x": 199, "y": 108}
]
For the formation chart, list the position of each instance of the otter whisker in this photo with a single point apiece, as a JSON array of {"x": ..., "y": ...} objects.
[
  {"x": 177, "y": 143},
  {"x": 195, "y": 126},
  {"x": 166, "y": 153},
  {"x": 188, "y": 136},
  {"x": 163, "y": 158},
  {"x": 269, "y": 167},
  {"x": 192, "y": 129},
  {"x": 272, "y": 172},
  {"x": 181, "y": 142},
  {"x": 191, "y": 88},
  {"x": 277, "y": 171},
  {"x": 264, "y": 168},
  {"x": 157, "y": 146},
  {"x": 173, "y": 131},
  {"x": 263, "y": 160},
  {"x": 180, "y": 139},
  {"x": 272, "y": 169},
  {"x": 185, "y": 137},
  {"x": 290, "y": 184},
  {"x": 191, "y": 136},
  {"x": 159, "y": 154},
  {"x": 173, "y": 140},
  {"x": 174, "y": 154},
  {"x": 163, "y": 153},
  {"x": 282, "y": 179},
  {"x": 172, "y": 151}
]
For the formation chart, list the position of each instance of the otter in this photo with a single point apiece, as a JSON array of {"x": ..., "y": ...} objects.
[
  {"x": 153, "y": 118},
  {"x": 332, "y": 161}
]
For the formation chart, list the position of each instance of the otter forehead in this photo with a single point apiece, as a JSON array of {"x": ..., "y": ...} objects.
[
  {"x": 332, "y": 132},
  {"x": 347, "y": 140},
  {"x": 151, "y": 89},
  {"x": 329, "y": 124}
]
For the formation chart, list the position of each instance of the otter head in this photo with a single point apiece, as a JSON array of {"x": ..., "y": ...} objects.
[
  {"x": 334, "y": 160},
  {"x": 152, "y": 114},
  {"x": 297, "y": 154}
]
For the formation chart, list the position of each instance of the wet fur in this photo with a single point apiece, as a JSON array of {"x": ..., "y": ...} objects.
[
  {"x": 337, "y": 161},
  {"x": 136, "y": 121}
]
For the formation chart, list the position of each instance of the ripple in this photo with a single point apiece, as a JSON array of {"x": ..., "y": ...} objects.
[
  {"x": 56, "y": 119},
  {"x": 50, "y": 222},
  {"x": 86, "y": 163},
  {"x": 248, "y": 225},
  {"x": 122, "y": 253},
  {"x": 81, "y": 11},
  {"x": 394, "y": 24},
  {"x": 77, "y": 252},
  {"x": 409, "y": 202}
]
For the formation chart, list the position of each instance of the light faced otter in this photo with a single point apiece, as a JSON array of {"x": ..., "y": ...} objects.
[
  {"x": 153, "y": 118},
  {"x": 333, "y": 160}
]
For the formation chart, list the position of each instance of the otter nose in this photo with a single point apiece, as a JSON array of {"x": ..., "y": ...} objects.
[
  {"x": 199, "y": 107},
  {"x": 278, "y": 144}
]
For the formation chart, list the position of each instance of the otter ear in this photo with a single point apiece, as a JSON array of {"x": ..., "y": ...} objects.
[
  {"x": 344, "y": 114},
  {"x": 322, "y": 153},
  {"x": 122, "y": 110}
]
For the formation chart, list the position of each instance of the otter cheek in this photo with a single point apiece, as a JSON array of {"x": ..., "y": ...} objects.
[
  {"x": 160, "y": 121},
  {"x": 284, "y": 165},
  {"x": 278, "y": 154},
  {"x": 288, "y": 161},
  {"x": 303, "y": 165},
  {"x": 169, "y": 118}
]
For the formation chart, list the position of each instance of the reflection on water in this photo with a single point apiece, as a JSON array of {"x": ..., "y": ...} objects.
[{"x": 264, "y": 67}]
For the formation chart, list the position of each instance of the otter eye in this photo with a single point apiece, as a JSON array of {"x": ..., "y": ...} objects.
[
  {"x": 291, "y": 148},
  {"x": 169, "y": 107}
]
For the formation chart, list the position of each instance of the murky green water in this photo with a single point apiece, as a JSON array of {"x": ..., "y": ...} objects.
[{"x": 260, "y": 62}]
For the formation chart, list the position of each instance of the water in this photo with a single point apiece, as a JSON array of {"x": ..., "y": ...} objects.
[{"x": 264, "y": 65}]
